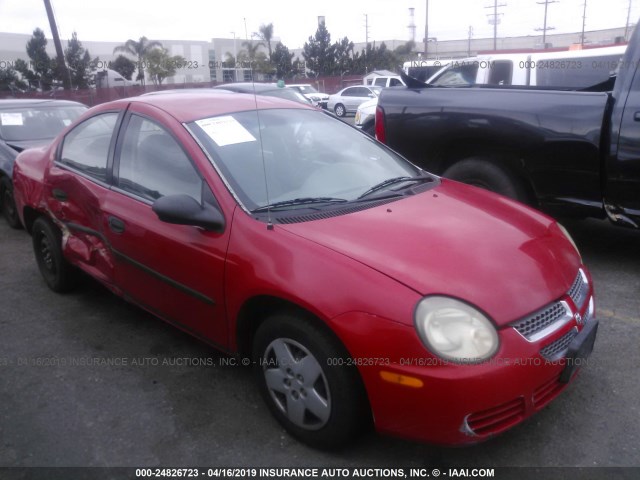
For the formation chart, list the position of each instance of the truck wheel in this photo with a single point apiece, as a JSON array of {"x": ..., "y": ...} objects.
[
  {"x": 320, "y": 404},
  {"x": 340, "y": 110},
  {"x": 483, "y": 173},
  {"x": 369, "y": 128},
  {"x": 8, "y": 204},
  {"x": 58, "y": 274}
]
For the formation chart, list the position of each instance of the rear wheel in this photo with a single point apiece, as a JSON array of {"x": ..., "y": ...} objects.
[
  {"x": 318, "y": 403},
  {"x": 484, "y": 173},
  {"x": 58, "y": 274},
  {"x": 9, "y": 210},
  {"x": 340, "y": 110}
]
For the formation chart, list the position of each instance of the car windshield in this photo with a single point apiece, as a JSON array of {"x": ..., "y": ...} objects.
[
  {"x": 36, "y": 122},
  {"x": 306, "y": 156}
]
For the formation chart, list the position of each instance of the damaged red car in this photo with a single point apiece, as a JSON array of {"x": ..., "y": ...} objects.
[{"x": 363, "y": 289}]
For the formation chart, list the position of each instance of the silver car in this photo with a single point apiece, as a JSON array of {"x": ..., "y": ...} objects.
[{"x": 348, "y": 99}]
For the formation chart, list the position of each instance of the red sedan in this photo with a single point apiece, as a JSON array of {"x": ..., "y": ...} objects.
[{"x": 362, "y": 288}]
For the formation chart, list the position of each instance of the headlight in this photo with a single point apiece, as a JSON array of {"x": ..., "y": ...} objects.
[
  {"x": 566, "y": 234},
  {"x": 454, "y": 330}
]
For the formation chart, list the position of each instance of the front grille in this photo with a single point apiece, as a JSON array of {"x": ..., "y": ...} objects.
[
  {"x": 542, "y": 322},
  {"x": 558, "y": 349},
  {"x": 579, "y": 290},
  {"x": 496, "y": 419}
]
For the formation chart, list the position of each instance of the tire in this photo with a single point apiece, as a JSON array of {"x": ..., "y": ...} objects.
[
  {"x": 58, "y": 274},
  {"x": 9, "y": 210},
  {"x": 370, "y": 129},
  {"x": 339, "y": 110},
  {"x": 484, "y": 173},
  {"x": 323, "y": 406}
]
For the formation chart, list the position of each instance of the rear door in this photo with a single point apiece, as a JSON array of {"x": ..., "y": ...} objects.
[
  {"x": 76, "y": 185},
  {"x": 174, "y": 271}
]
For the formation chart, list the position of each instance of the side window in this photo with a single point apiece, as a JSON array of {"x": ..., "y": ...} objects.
[
  {"x": 86, "y": 147},
  {"x": 395, "y": 82},
  {"x": 500, "y": 72},
  {"x": 348, "y": 92},
  {"x": 153, "y": 165},
  {"x": 381, "y": 82}
]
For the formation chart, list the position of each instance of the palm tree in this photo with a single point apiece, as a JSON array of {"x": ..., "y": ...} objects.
[
  {"x": 252, "y": 49},
  {"x": 138, "y": 49},
  {"x": 266, "y": 34}
]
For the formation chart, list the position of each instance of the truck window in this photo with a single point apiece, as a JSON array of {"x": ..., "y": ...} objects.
[
  {"x": 380, "y": 82},
  {"x": 500, "y": 72},
  {"x": 575, "y": 72},
  {"x": 394, "y": 82},
  {"x": 462, "y": 74}
]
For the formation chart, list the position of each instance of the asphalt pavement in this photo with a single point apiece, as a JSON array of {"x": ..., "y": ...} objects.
[{"x": 89, "y": 380}]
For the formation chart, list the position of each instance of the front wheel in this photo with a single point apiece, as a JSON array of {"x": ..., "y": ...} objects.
[
  {"x": 484, "y": 173},
  {"x": 340, "y": 110},
  {"x": 319, "y": 403},
  {"x": 58, "y": 274},
  {"x": 9, "y": 210}
]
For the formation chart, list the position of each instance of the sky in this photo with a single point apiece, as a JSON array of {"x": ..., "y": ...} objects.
[{"x": 294, "y": 21}]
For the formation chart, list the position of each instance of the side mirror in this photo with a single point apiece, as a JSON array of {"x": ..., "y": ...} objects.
[{"x": 184, "y": 210}]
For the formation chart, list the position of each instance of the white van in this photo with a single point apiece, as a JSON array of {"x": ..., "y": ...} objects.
[
  {"x": 567, "y": 69},
  {"x": 385, "y": 81},
  {"x": 424, "y": 69}
]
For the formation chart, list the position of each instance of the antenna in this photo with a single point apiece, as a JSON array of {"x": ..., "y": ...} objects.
[{"x": 264, "y": 163}]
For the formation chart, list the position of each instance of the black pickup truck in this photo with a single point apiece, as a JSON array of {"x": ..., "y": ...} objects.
[{"x": 565, "y": 152}]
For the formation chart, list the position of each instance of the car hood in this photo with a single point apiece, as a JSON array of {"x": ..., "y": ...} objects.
[{"x": 504, "y": 258}]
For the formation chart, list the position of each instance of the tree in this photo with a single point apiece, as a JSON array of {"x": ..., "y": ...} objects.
[
  {"x": 319, "y": 53},
  {"x": 282, "y": 60},
  {"x": 79, "y": 63},
  {"x": 41, "y": 70},
  {"x": 140, "y": 50},
  {"x": 123, "y": 66},
  {"x": 266, "y": 34},
  {"x": 9, "y": 80},
  {"x": 251, "y": 55},
  {"x": 343, "y": 51},
  {"x": 161, "y": 65}
]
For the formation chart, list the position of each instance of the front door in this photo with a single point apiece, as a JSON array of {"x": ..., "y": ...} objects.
[{"x": 174, "y": 271}]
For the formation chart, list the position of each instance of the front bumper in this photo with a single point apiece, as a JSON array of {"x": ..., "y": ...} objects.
[{"x": 418, "y": 396}]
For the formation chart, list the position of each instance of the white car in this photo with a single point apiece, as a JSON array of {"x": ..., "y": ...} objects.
[
  {"x": 317, "y": 99},
  {"x": 349, "y": 99},
  {"x": 366, "y": 116}
]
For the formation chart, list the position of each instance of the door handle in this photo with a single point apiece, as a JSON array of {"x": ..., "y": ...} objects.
[
  {"x": 636, "y": 116},
  {"x": 60, "y": 195},
  {"x": 116, "y": 225}
]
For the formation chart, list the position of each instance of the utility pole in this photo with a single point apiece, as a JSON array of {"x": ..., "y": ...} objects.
[
  {"x": 426, "y": 32},
  {"x": 469, "y": 41},
  {"x": 62, "y": 66},
  {"x": 495, "y": 20},
  {"x": 366, "y": 37},
  {"x": 545, "y": 28},
  {"x": 584, "y": 21},
  {"x": 626, "y": 28}
]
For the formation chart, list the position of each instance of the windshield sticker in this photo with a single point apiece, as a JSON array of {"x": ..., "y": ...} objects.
[
  {"x": 11, "y": 119},
  {"x": 225, "y": 131}
]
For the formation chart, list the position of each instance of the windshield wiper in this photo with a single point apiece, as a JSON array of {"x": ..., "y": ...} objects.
[
  {"x": 298, "y": 201},
  {"x": 392, "y": 181}
]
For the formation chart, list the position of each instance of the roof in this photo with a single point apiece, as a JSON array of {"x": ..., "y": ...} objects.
[
  {"x": 190, "y": 106},
  {"x": 381, "y": 73},
  {"x": 39, "y": 102}
]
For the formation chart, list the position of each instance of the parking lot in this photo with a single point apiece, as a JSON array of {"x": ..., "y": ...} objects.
[{"x": 89, "y": 380}]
